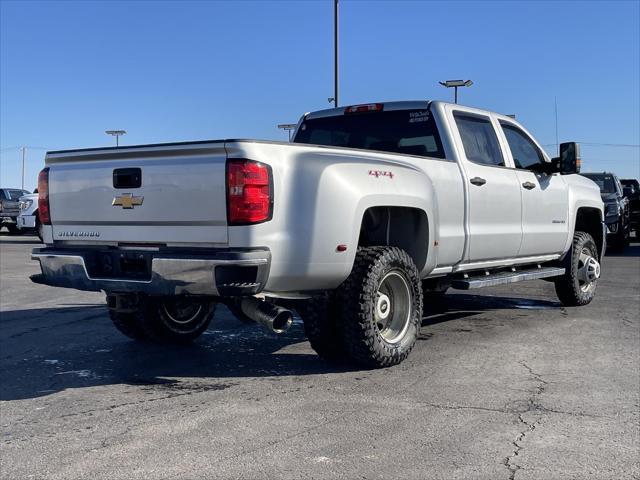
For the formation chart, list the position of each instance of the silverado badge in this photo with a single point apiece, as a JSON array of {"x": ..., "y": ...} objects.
[{"x": 127, "y": 201}]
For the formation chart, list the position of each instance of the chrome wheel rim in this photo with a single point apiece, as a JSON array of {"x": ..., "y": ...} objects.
[
  {"x": 588, "y": 270},
  {"x": 181, "y": 310},
  {"x": 392, "y": 308}
]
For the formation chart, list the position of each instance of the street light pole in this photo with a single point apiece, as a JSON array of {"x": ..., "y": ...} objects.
[
  {"x": 335, "y": 53},
  {"x": 24, "y": 152},
  {"x": 455, "y": 84},
  {"x": 289, "y": 127},
  {"x": 117, "y": 134}
]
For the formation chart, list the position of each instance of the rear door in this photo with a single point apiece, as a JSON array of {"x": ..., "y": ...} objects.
[
  {"x": 494, "y": 210},
  {"x": 162, "y": 195},
  {"x": 545, "y": 198}
]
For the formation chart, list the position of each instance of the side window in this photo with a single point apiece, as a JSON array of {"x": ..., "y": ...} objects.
[
  {"x": 525, "y": 153},
  {"x": 479, "y": 139}
]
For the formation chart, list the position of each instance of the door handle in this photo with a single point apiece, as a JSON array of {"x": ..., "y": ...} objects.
[
  {"x": 529, "y": 185},
  {"x": 478, "y": 181}
]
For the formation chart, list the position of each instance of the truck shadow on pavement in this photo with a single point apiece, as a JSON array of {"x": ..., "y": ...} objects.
[{"x": 45, "y": 351}]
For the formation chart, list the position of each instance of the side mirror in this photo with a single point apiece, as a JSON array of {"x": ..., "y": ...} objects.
[{"x": 569, "y": 160}]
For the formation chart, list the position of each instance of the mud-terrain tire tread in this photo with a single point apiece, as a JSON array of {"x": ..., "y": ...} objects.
[
  {"x": 361, "y": 337},
  {"x": 567, "y": 286}
]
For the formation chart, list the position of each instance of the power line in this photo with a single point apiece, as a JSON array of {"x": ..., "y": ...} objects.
[{"x": 18, "y": 147}]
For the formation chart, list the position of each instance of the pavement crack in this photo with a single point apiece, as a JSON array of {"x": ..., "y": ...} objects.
[{"x": 510, "y": 461}]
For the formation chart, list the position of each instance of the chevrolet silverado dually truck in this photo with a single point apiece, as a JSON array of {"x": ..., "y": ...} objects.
[{"x": 368, "y": 207}]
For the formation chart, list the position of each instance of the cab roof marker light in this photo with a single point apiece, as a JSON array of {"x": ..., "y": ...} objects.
[{"x": 369, "y": 107}]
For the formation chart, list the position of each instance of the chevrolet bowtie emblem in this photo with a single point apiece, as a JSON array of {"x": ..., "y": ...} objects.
[{"x": 127, "y": 200}]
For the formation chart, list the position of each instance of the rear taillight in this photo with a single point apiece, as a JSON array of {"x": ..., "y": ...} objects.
[
  {"x": 44, "y": 214},
  {"x": 249, "y": 192}
]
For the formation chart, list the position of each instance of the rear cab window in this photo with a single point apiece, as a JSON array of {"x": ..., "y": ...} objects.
[
  {"x": 479, "y": 139},
  {"x": 407, "y": 132}
]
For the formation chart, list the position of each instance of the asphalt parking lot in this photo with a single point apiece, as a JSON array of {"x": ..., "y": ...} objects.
[{"x": 503, "y": 383}]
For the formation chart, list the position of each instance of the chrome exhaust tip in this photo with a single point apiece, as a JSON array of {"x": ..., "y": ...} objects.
[{"x": 273, "y": 317}]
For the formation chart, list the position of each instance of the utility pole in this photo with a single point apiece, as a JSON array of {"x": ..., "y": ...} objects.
[
  {"x": 335, "y": 53},
  {"x": 24, "y": 153}
]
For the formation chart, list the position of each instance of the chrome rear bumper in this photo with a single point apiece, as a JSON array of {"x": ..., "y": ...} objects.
[{"x": 213, "y": 273}]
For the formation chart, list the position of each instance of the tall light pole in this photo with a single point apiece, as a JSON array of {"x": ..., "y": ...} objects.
[
  {"x": 289, "y": 127},
  {"x": 24, "y": 153},
  {"x": 455, "y": 84},
  {"x": 117, "y": 134},
  {"x": 335, "y": 53}
]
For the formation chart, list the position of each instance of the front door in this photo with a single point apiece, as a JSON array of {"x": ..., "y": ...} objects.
[{"x": 545, "y": 198}]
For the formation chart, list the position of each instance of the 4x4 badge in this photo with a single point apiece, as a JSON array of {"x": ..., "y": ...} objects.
[{"x": 127, "y": 201}]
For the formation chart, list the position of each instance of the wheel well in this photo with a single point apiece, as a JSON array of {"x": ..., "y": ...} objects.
[
  {"x": 588, "y": 220},
  {"x": 402, "y": 227}
]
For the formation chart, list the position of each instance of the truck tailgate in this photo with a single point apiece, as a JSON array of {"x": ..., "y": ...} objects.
[{"x": 180, "y": 197}]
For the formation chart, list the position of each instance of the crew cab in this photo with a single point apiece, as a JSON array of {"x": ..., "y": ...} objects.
[{"x": 369, "y": 207}]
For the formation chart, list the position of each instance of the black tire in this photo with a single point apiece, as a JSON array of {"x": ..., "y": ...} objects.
[
  {"x": 177, "y": 319},
  {"x": 618, "y": 241},
  {"x": 569, "y": 288},
  {"x": 319, "y": 315},
  {"x": 367, "y": 340},
  {"x": 13, "y": 229},
  {"x": 128, "y": 324}
]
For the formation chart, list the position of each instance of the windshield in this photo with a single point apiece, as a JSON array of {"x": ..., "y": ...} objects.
[
  {"x": 411, "y": 132},
  {"x": 14, "y": 194},
  {"x": 605, "y": 182}
]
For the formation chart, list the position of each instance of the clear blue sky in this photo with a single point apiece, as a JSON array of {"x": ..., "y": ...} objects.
[{"x": 173, "y": 71}]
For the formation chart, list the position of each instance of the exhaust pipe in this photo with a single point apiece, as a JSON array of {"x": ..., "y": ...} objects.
[{"x": 273, "y": 317}]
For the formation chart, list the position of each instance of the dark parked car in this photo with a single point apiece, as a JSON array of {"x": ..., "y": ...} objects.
[
  {"x": 616, "y": 208},
  {"x": 631, "y": 190},
  {"x": 10, "y": 207}
]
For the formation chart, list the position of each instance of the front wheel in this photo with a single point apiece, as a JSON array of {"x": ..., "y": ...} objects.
[
  {"x": 578, "y": 285},
  {"x": 381, "y": 304}
]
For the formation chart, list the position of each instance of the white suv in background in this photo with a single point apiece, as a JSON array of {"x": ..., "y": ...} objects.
[{"x": 28, "y": 216}]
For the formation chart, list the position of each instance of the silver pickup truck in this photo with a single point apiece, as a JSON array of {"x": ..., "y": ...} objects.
[{"x": 370, "y": 207}]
